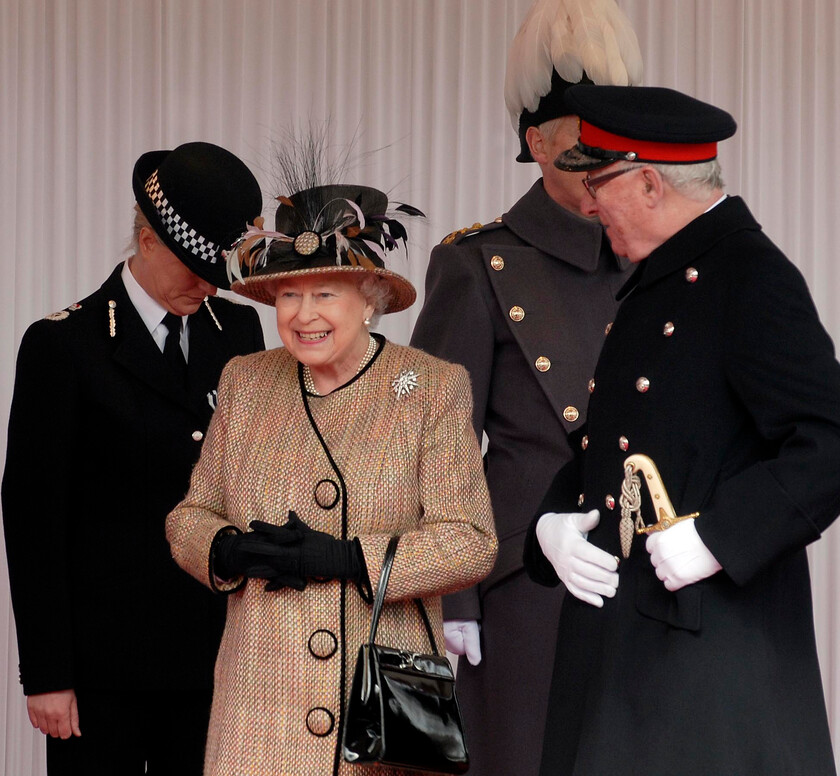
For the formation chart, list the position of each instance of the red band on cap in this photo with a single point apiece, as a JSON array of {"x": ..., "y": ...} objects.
[{"x": 647, "y": 150}]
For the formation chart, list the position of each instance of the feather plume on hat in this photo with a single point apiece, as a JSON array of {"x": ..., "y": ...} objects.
[
  {"x": 577, "y": 38},
  {"x": 322, "y": 226}
]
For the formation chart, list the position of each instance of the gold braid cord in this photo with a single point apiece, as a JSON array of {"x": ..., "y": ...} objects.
[{"x": 631, "y": 503}]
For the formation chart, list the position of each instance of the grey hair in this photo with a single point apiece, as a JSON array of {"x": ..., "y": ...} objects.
[
  {"x": 548, "y": 129},
  {"x": 695, "y": 181},
  {"x": 140, "y": 221},
  {"x": 376, "y": 292}
]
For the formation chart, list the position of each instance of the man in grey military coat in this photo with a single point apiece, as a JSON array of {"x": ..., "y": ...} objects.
[
  {"x": 714, "y": 418},
  {"x": 523, "y": 303},
  {"x": 112, "y": 398}
]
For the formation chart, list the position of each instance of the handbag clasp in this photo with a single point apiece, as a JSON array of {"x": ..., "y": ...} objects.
[{"x": 407, "y": 659}]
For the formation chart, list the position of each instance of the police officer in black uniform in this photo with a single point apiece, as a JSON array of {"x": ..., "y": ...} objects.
[
  {"x": 714, "y": 416},
  {"x": 112, "y": 398}
]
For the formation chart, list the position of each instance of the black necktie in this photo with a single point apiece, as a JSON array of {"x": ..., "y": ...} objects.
[{"x": 172, "y": 348}]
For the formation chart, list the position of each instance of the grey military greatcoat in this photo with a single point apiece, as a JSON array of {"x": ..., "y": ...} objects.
[{"x": 523, "y": 303}]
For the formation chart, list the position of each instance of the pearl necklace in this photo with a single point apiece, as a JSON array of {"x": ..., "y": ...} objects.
[{"x": 309, "y": 383}]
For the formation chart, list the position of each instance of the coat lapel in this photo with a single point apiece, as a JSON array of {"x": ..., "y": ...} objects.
[
  {"x": 135, "y": 348},
  {"x": 552, "y": 279},
  {"x": 203, "y": 365},
  {"x": 699, "y": 236}
]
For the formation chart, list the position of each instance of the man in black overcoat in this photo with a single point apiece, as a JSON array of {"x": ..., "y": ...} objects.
[
  {"x": 689, "y": 649},
  {"x": 112, "y": 398},
  {"x": 523, "y": 304}
]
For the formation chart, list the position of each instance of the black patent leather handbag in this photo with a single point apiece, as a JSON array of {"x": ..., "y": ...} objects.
[{"x": 402, "y": 709}]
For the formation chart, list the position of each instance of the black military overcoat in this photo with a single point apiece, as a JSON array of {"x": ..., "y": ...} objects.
[
  {"x": 718, "y": 369},
  {"x": 101, "y": 446}
]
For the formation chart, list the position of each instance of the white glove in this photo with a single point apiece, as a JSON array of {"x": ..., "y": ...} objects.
[
  {"x": 588, "y": 572},
  {"x": 461, "y": 638},
  {"x": 679, "y": 555}
]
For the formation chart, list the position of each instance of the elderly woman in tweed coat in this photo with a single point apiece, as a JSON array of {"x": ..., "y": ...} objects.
[{"x": 318, "y": 453}]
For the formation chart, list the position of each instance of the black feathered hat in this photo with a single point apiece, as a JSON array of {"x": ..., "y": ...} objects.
[
  {"x": 198, "y": 198},
  {"x": 336, "y": 228}
]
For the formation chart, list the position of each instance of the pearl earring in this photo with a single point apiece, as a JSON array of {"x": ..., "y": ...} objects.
[{"x": 367, "y": 321}]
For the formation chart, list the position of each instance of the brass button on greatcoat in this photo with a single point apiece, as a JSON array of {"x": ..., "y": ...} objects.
[
  {"x": 591, "y": 385},
  {"x": 608, "y": 329},
  {"x": 198, "y": 435},
  {"x": 691, "y": 275},
  {"x": 571, "y": 413},
  {"x": 584, "y": 443},
  {"x": 668, "y": 329},
  {"x": 542, "y": 364},
  {"x": 624, "y": 443},
  {"x": 610, "y": 502},
  {"x": 516, "y": 313},
  {"x": 498, "y": 263},
  {"x": 642, "y": 385},
  {"x": 320, "y": 721},
  {"x": 323, "y": 644},
  {"x": 580, "y": 500}
]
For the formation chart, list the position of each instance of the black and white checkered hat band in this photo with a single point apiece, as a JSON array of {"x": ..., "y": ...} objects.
[{"x": 180, "y": 230}]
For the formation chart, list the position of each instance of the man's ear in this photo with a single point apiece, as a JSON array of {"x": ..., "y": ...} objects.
[
  {"x": 654, "y": 185},
  {"x": 536, "y": 143}
]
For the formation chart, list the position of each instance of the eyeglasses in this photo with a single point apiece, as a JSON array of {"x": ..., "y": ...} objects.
[{"x": 591, "y": 184}]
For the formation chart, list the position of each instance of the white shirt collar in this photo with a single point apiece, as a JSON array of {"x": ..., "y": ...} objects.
[
  {"x": 150, "y": 310},
  {"x": 715, "y": 204}
]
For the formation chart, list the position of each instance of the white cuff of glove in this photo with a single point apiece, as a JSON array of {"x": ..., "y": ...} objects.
[
  {"x": 679, "y": 555},
  {"x": 462, "y": 638},
  {"x": 588, "y": 572}
]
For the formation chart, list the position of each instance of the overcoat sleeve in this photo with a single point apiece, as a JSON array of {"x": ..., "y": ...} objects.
[
  {"x": 454, "y": 545},
  {"x": 780, "y": 363},
  {"x": 454, "y": 282},
  {"x": 194, "y": 523},
  {"x": 560, "y": 497},
  {"x": 38, "y": 513}
]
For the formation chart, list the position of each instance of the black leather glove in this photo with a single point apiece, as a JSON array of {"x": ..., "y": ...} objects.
[
  {"x": 255, "y": 555},
  {"x": 310, "y": 554}
]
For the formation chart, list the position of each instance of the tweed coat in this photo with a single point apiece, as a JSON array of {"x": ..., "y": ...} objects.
[
  {"x": 539, "y": 283},
  {"x": 101, "y": 446},
  {"x": 366, "y": 461},
  {"x": 741, "y": 414}
]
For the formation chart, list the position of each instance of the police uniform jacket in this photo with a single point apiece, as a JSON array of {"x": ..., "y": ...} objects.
[
  {"x": 101, "y": 445},
  {"x": 718, "y": 369},
  {"x": 390, "y": 452}
]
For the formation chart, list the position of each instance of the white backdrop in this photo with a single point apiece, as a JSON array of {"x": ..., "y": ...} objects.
[{"x": 88, "y": 85}]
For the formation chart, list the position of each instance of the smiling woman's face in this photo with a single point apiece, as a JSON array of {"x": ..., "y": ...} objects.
[{"x": 321, "y": 320}]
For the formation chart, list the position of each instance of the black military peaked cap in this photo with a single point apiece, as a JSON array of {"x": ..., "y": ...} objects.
[
  {"x": 199, "y": 198},
  {"x": 642, "y": 124}
]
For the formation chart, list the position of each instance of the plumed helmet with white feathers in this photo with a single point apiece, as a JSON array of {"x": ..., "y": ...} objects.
[{"x": 561, "y": 43}]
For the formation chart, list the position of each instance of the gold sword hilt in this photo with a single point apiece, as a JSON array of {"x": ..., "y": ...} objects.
[{"x": 662, "y": 506}]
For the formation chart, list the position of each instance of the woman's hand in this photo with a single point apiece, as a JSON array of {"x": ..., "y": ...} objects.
[
  {"x": 286, "y": 555},
  {"x": 259, "y": 554},
  {"x": 309, "y": 553}
]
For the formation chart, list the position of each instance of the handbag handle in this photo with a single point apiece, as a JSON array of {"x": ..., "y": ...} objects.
[{"x": 378, "y": 602}]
